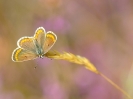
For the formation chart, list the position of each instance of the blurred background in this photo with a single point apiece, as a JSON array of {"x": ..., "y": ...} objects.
[{"x": 101, "y": 31}]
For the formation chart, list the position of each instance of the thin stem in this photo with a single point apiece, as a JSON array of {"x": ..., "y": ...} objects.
[{"x": 116, "y": 86}]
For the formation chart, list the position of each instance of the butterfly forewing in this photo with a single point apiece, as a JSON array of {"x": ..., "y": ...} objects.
[
  {"x": 27, "y": 43},
  {"x": 40, "y": 37},
  {"x": 20, "y": 54},
  {"x": 49, "y": 41}
]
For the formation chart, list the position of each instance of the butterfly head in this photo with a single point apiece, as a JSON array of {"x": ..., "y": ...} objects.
[{"x": 41, "y": 56}]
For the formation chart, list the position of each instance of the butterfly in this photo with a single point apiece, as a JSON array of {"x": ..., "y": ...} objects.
[{"x": 30, "y": 48}]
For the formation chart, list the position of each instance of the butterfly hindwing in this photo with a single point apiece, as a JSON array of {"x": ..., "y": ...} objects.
[{"x": 20, "y": 54}]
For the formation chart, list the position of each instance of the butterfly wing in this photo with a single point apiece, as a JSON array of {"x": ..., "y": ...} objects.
[
  {"x": 27, "y": 43},
  {"x": 31, "y": 47},
  {"x": 49, "y": 41},
  {"x": 39, "y": 37},
  {"x": 20, "y": 54}
]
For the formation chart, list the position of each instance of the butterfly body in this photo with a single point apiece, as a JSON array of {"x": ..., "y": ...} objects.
[
  {"x": 39, "y": 49},
  {"x": 32, "y": 47}
]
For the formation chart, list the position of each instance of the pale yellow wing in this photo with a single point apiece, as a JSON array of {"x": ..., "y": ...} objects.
[
  {"x": 20, "y": 55},
  {"x": 39, "y": 37},
  {"x": 49, "y": 41},
  {"x": 27, "y": 43}
]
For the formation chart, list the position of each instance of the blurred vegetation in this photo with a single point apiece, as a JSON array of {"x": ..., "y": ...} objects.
[{"x": 101, "y": 31}]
